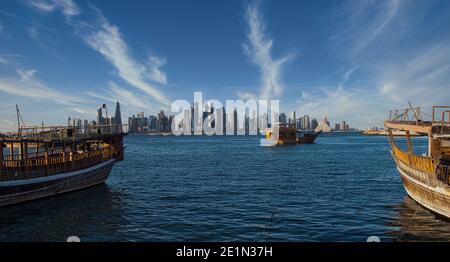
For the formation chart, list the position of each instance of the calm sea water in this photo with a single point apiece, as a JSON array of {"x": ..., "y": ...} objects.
[{"x": 343, "y": 188}]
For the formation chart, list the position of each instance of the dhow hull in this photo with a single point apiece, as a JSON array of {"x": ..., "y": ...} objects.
[
  {"x": 426, "y": 190},
  {"x": 18, "y": 191}
]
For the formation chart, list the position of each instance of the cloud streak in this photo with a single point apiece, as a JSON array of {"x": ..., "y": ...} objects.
[
  {"x": 360, "y": 108},
  {"x": 3, "y": 61},
  {"x": 27, "y": 85},
  {"x": 68, "y": 7},
  {"x": 107, "y": 40},
  {"x": 362, "y": 23},
  {"x": 422, "y": 79},
  {"x": 130, "y": 99},
  {"x": 155, "y": 72},
  {"x": 258, "y": 47}
]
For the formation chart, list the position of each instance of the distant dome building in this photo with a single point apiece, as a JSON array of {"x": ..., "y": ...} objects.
[{"x": 324, "y": 126}]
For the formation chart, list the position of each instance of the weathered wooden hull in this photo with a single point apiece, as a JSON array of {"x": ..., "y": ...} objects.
[
  {"x": 17, "y": 191},
  {"x": 307, "y": 139},
  {"x": 425, "y": 189}
]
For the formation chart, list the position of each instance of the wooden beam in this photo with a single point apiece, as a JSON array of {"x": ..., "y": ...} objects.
[
  {"x": 21, "y": 163},
  {"x": 422, "y": 129},
  {"x": 25, "y": 159},
  {"x": 1, "y": 158},
  {"x": 431, "y": 152},
  {"x": 72, "y": 155},
  {"x": 408, "y": 141},
  {"x": 46, "y": 159},
  {"x": 64, "y": 155},
  {"x": 11, "y": 151}
]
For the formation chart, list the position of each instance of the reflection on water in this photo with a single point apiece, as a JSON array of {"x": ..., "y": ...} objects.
[
  {"x": 412, "y": 222},
  {"x": 82, "y": 213}
]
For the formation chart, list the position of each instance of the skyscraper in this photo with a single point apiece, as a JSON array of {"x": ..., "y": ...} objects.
[
  {"x": 117, "y": 118},
  {"x": 282, "y": 118},
  {"x": 314, "y": 123},
  {"x": 306, "y": 122},
  {"x": 337, "y": 127},
  {"x": 86, "y": 126},
  {"x": 152, "y": 122},
  {"x": 343, "y": 126},
  {"x": 100, "y": 119}
]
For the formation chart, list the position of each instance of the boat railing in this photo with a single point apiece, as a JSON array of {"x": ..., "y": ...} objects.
[
  {"x": 441, "y": 119},
  {"x": 50, "y": 133},
  {"x": 411, "y": 114},
  {"x": 51, "y": 164},
  {"x": 409, "y": 119},
  {"x": 443, "y": 173},
  {"x": 38, "y": 154},
  {"x": 422, "y": 163},
  {"x": 441, "y": 115}
]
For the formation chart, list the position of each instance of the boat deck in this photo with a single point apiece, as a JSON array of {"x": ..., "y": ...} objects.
[{"x": 46, "y": 151}]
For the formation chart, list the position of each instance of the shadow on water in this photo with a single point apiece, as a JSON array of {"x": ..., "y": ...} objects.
[
  {"x": 94, "y": 214},
  {"x": 412, "y": 222}
]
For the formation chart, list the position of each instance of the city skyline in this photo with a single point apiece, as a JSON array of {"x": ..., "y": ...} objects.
[
  {"x": 64, "y": 57},
  {"x": 162, "y": 123}
]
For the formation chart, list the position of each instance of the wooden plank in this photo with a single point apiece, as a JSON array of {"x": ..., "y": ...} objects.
[
  {"x": 1, "y": 158},
  {"x": 25, "y": 159},
  {"x": 423, "y": 129},
  {"x": 46, "y": 159},
  {"x": 408, "y": 141}
]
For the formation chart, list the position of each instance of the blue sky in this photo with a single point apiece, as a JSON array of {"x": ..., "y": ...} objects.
[{"x": 349, "y": 60}]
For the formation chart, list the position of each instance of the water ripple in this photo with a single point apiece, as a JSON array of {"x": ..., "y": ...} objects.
[{"x": 343, "y": 188}]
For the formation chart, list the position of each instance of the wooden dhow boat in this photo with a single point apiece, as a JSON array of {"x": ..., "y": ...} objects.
[
  {"x": 426, "y": 177},
  {"x": 282, "y": 134},
  {"x": 38, "y": 162},
  {"x": 307, "y": 136}
]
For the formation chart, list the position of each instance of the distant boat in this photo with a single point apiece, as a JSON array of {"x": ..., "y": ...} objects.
[
  {"x": 426, "y": 177},
  {"x": 286, "y": 135},
  {"x": 307, "y": 136}
]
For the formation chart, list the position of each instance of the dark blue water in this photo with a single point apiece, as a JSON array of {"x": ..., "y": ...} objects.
[{"x": 343, "y": 188}]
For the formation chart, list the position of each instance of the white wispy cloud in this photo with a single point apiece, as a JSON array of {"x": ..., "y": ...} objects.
[
  {"x": 83, "y": 111},
  {"x": 360, "y": 108},
  {"x": 6, "y": 125},
  {"x": 27, "y": 85},
  {"x": 107, "y": 40},
  {"x": 258, "y": 48},
  {"x": 336, "y": 103},
  {"x": 33, "y": 33},
  {"x": 423, "y": 78},
  {"x": 43, "y": 36},
  {"x": 42, "y": 5},
  {"x": 3, "y": 61},
  {"x": 368, "y": 40},
  {"x": 130, "y": 100},
  {"x": 68, "y": 7},
  {"x": 361, "y": 23},
  {"x": 246, "y": 95},
  {"x": 154, "y": 69},
  {"x": 348, "y": 74}
]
